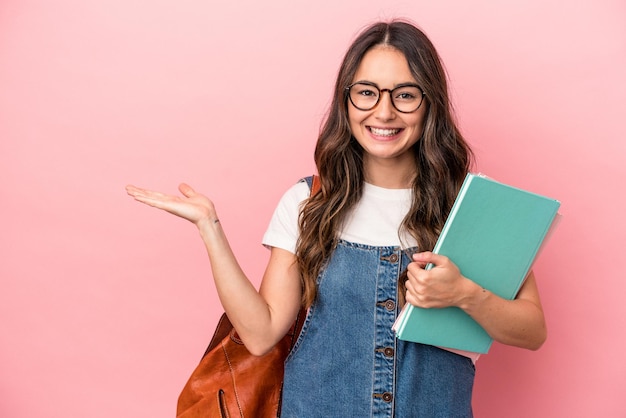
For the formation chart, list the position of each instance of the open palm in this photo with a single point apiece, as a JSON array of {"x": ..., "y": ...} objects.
[{"x": 192, "y": 206}]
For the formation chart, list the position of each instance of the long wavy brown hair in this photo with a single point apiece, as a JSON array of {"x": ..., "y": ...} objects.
[{"x": 442, "y": 156}]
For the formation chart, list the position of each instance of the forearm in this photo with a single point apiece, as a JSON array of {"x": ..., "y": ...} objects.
[
  {"x": 247, "y": 310},
  {"x": 519, "y": 322}
]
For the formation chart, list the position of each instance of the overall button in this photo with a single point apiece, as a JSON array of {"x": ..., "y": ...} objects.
[
  {"x": 393, "y": 258},
  {"x": 387, "y": 396},
  {"x": 389, "y": 304},
  {"x": 388, "y": 351}
]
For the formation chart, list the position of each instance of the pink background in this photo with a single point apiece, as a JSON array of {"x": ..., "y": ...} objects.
[{"x": 106, "y": 305}]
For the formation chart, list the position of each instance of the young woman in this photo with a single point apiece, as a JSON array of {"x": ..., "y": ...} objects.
[{"x": 390, "y": 160}]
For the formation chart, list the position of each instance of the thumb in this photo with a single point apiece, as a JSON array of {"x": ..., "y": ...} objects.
[{"x": 186, "y": 190}]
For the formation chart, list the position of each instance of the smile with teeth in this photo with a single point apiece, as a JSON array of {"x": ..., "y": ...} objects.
[{"x": 384, "y": 132}]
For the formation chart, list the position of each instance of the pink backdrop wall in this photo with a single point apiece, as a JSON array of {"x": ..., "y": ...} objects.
[{"x": 106, "y": 305}]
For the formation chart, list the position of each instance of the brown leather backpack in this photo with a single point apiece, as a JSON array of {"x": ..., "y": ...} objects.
[{"x": 231, "y": 382}]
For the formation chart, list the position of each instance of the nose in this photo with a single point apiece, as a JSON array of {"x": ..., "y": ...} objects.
[{"x": 384, "y": 109}]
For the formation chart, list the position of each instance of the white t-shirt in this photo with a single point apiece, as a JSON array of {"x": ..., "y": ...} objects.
[{"x": 374, "y": 221}]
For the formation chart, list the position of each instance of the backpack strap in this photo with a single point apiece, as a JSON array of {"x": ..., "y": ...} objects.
[{"x": 314, "y": 183}]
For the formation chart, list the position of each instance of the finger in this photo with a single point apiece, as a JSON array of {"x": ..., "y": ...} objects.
[
  {"x": 428, "y": 257},
  {"x": 150, "y": 199},
  {"x": 131, "y": 190},
  {"x": 418, "y": 265},
  {"x": 423, "y": 257},
  {"x": 186, "y": 190},
  {"x": 410, "y": 288},
  {"x": 415, "y": 276},
  {"x": 142, "y": 195},
  {"x": 136, "y": 191},
  {"x": 414, "y": 296}
]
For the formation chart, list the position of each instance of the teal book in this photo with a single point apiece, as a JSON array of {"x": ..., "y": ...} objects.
[{"x": 493, "y": 234}]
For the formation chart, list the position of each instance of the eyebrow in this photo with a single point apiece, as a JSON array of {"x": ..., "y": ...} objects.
[{"x": 371, "y": 83}]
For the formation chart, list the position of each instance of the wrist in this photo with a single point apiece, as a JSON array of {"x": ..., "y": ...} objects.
[
  {"x": 209, "y": 225},
  {"x": 474, "y": 296}
]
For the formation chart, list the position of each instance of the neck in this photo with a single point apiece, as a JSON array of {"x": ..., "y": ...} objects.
[{"x": 390, "y": 174}]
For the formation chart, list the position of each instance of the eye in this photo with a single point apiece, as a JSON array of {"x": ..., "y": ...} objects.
[
  {"x": 366, "y": 91},
  {"x": 407, "y": 94}
]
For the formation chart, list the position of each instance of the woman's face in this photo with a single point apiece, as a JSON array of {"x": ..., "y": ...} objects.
[{"x": 386, "y": 134}]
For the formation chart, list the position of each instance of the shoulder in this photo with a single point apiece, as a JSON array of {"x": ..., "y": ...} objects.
[
  {"x": 295, "y": 194},
  {"x": 282, "y": 231}
]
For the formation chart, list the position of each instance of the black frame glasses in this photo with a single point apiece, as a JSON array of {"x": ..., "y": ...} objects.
[{"x": 371, "y": 90}]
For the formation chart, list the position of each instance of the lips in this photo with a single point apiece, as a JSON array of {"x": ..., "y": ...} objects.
[{"x": 384, "y": 131}]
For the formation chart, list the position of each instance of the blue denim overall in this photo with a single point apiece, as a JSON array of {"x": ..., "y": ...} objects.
[{"x": 347, "y": 361}]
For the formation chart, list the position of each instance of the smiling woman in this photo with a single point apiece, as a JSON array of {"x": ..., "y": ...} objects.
[{"x": 395, "y": 161}]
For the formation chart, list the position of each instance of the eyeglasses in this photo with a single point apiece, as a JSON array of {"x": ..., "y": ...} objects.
[{"x": 406, "y": 98}]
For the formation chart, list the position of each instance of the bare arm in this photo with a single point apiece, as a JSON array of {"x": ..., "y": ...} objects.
[
  {"x": 519, "y": 322},
  {"x": 261, "y": 318}
]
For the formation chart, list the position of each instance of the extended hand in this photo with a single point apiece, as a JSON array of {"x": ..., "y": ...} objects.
[
  {"x": 192, "y": 206},
  {"x": 439, "y": 287}
]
